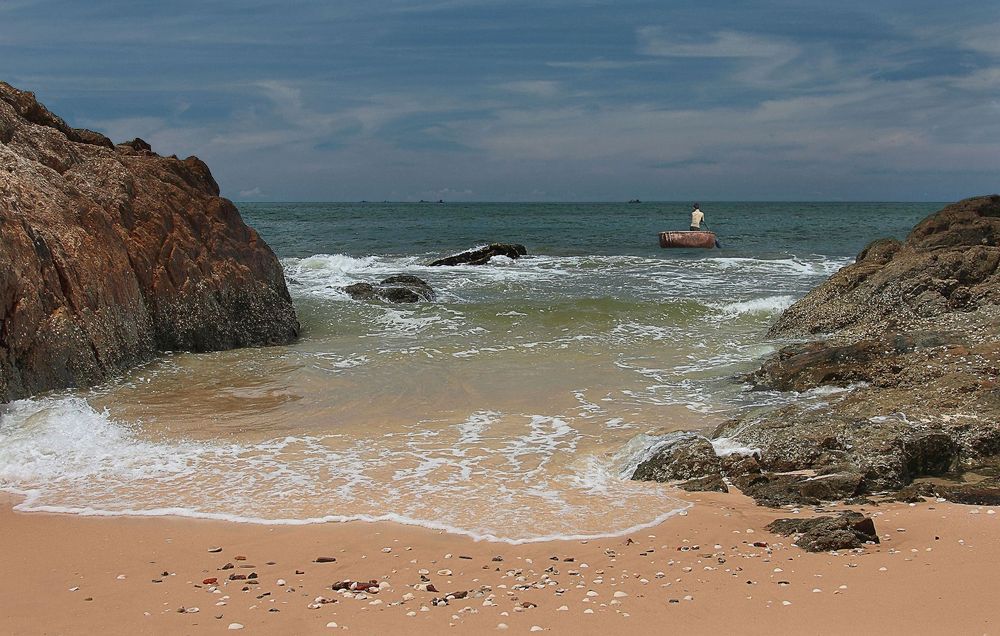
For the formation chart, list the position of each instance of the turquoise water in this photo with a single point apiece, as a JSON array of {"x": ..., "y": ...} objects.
[{"x": 510, "y": 408}]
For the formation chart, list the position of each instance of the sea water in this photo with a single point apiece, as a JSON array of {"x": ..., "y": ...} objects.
[{"x": 512, "y": 408}]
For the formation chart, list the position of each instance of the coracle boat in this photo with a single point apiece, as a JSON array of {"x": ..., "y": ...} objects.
[{"x": 688, "y": 239}]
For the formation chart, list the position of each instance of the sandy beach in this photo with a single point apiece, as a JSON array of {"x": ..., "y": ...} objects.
[{"x": 712, "y": 570}]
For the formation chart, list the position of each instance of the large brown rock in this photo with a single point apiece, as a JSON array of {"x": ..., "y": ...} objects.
[
  {"x": 913, "y": 329},
  {"x": 947, "y": 264},
  {"x": 109, "y": 254}
]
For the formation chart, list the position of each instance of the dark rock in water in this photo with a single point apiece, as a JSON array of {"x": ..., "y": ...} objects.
[
  {"x": 686, "y": 457},
  {"x": 398, "y": 295},
  {"x": 401, "y": 288},
  {"x": 822, "y": 534},
  {"x": 406, "y": 281},
  {"x": 109, "y": 254},
  {"x": 361, "y": 291},
  {"x": 482, "y": 255}
]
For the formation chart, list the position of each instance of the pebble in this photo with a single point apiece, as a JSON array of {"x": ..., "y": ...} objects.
[
  {"x": 620, "y": 594},
  {"x": 535, "y": 628},
  {"x": 786, "y": 602},
  {"x": 331, "y": 624},
  {"x": 215, "y": 549},
  {"x": 235, "y": 626},
  {"x": 387, "y": 550},
  {"x": 588, "y": 611},
  {"x": 562, "y": 608},
  {"x": 501, "y": 625},
  {"x": 444, "y": 572}
]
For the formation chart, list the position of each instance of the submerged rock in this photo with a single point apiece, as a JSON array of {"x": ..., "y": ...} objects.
[
  {"x": 109, "y": 254},
  {"x": 821, "y": 534},
  {"x": 482, "y": 255},
  {"x": 401, "y": 288}
]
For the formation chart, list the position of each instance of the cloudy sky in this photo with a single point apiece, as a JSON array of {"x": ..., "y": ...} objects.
[{"x": 504, "y": 100}]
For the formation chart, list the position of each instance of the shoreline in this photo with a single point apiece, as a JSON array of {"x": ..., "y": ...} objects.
[
  {"x": 22, "y": 498},
  {"x": 699, "y": 573}
]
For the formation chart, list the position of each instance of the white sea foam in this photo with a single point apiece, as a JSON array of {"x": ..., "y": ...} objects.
[
  {"x": 765, "y": 305},
  {"x": 492, "y": 476},
  {"x": 725, "y": 447}
]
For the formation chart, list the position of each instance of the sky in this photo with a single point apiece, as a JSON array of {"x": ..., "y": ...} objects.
[{"x": 542, "y": 100}]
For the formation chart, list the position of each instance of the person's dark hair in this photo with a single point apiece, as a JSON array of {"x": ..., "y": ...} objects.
[{"x": 697, "y": 205}]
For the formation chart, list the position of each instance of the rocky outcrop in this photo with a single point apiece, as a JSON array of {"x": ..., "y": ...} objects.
[
  {"x": 109, "y": 254},
  {"x": 482, "y": 255},
  {"x": 913, "y": 328},
  {"x": 821, "y": 534},
  {"x": 401, "y": 288},
  {"x": 948, "y": 264},
  {"x": 686, "y": 458}
]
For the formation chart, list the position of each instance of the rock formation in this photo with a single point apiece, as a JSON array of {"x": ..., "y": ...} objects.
[
  {"x": 109, "y": 254},
  {"x": 913, "y": 328},
  {"x": 946, "y": 268},
  {"x": 482, "y": 255}
]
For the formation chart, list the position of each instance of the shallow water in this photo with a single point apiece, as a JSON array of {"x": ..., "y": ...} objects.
[{"x": 509, "y": 409}]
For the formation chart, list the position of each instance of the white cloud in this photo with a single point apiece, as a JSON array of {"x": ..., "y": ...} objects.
[
  {"x": 252, "y": 193},
  {"x": 536, "y": 88},
  {"x": 598, "y": 64},
  {"x": 658, "y": 42}
]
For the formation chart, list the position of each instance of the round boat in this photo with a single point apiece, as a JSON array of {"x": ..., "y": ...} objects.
[{"x": 688, "y": 239}]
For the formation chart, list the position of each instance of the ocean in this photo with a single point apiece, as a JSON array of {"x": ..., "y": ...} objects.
[{"x": 511, "y": 408}]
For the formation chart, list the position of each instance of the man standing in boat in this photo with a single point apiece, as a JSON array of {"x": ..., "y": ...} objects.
[{"x": 696, "y": 218}]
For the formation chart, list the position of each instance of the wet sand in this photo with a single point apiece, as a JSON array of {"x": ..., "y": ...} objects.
[{"x": 935, "y": 572}]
